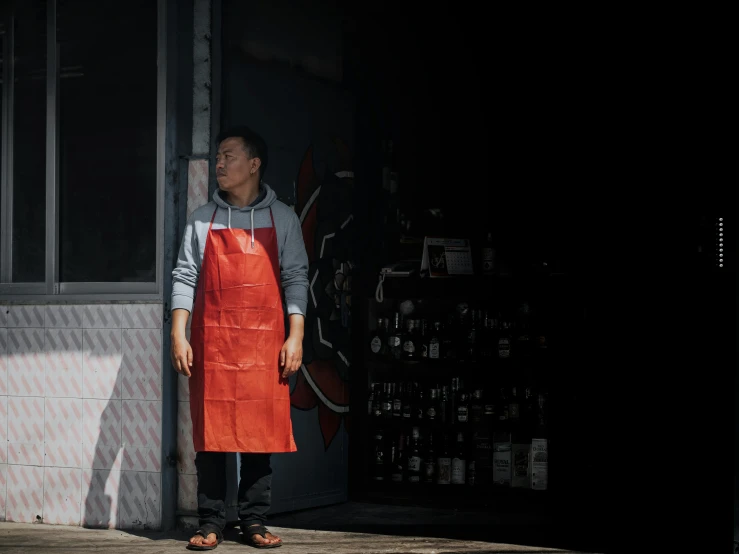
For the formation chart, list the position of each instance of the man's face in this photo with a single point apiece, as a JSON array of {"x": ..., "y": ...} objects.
[{"x": 234, "y": 167}]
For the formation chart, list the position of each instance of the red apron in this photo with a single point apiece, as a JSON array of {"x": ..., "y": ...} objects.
[{"x": 239, "y": 401}]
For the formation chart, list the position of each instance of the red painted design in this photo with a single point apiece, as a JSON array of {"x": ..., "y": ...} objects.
[{"x": 322, "y": 385}]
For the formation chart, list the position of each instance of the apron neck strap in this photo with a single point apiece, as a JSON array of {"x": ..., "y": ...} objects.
[
  {"x": 210, "y": 228},
  {"x": 271, "y": 216}
]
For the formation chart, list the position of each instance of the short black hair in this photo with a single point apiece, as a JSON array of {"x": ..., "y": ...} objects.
[{"x": 254, "y": 144}]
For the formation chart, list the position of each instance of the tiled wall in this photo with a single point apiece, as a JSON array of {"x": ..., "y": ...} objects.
[{"x": 80, "y": 414}]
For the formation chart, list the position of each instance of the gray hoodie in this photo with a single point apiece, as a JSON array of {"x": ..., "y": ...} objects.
[{"x": 292, "y": 254}]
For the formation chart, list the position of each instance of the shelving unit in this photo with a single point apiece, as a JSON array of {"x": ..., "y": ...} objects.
[{"x": 551, "y": 371}]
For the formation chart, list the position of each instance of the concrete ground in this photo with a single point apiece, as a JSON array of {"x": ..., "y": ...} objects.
[{"x": 342, "y": 529}]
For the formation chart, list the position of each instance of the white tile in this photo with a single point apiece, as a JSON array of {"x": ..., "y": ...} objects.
[
  {"x": 101, "y": 316},
  {"x": 99, "y": 506},
  {"x": 132, "y": 500},
  {"x": 26, "y": 419},
  {"x": 142, "y": 423},
  {"x": 101, "y": 434},
  {"x": 62, "y": 495},
  {"x": 21, "y": 315},
  {"x": 63, "y": 363},
  {"x": 138, "y": 458},
  {"x": 141, "y": 366},
  {"x": 26, "y": 453},
  {"x": 25, "y": 494},
  {"x": 25, "y": 362},
  {"x": 3, "y": 360},
  {"x": 3, "y": 487},
  {"x": 65, "y": 317},
  {"x": 63, "y": 432},
  {"x": 141, "y": 316},
  {"x": 3, "y": 430},
  {"x": 101, "y": 363}
]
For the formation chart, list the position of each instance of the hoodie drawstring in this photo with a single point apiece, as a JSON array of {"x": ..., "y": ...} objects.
[
  {"x": 252, "y": 228},
  {"x": 229, "y": 217}
]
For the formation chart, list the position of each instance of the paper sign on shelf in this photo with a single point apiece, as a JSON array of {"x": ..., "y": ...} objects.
[{"x": 446, "y": 257}]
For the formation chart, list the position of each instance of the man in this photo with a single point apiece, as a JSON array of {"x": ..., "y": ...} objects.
[{"x": 239, "y": 254}]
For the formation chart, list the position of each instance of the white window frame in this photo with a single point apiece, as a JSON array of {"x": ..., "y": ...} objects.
[{"x": 52, "y": 290}]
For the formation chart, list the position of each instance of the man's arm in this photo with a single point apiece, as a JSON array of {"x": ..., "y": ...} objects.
[
  {"x": 294, "y": 279},
  {"x": 294, "y": 269},
  {"x": 185, "y": 279},
  {"x": 187, "y": 270}
]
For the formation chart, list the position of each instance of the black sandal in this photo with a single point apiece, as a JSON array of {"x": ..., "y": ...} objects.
[
  {"x": 251, "y": 530},
  {"x": 204, "y": 531}
]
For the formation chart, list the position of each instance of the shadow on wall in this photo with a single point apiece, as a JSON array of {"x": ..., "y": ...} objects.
[
  {"x": 124, "y": 483},
  {"x": 80, "y": 405}
]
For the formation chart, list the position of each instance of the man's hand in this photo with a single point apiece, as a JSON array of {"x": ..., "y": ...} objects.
[
  {"x": 181, "y": 355},
  {"x": 181, "y": 352},
  {"x": 291, "y": 356}
]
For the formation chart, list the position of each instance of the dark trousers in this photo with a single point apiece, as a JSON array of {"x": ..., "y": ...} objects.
[{"x": 255, "y": 488}]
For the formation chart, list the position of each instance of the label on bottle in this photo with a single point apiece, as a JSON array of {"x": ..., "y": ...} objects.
[
  {"x": 424, "y": 350},
  {"x": 471, "y": 474},
  {"x": 539, "y": 464},
  {"x": 431, "y": 412},
  {"x": 434, "y": 350},
  {"x": 378, "y": 411},
  {"x": 397, "y": 475},
  {"x": 513, "y": 410},
  {"x": 409, "y": 347},
  {"x": 387, "y": 406},
  {"x": 502, "y": 463},
  {"x": 376, "y": 345},
  {"x": 444, "y": 476},
  {"x": 428, "y": 472},
  {"x": 458, "y": 471},
  {"x": 488, "y": 260},
  {"x": 396, "y": 405},
  {"x": 393, "y": 341},
  {"x": 462, "y": 414},
  {"x": 414, "y": 464},
  {"x": 407, "y": 411},
  {"x": 520, "y": 455},
  {"x": 504, "y": 347}
]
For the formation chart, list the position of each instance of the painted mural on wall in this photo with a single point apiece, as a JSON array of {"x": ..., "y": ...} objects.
[{"x": 325, "y": 209}]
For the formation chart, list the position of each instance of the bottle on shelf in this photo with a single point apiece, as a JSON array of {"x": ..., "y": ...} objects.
[
  {"x": 399, "y": 461},
  {"x": 378, "y": 341},
  {"x": 444, "y": 464},
  {"x": 488, "y": 255},
  {"x": 378, "y": 456},
  {"x": 540, "y": 448},
  {"x": 394, "y": 338},
  {"x": 459, "y": 462},
  {"x": 429, "y": 460},
  {"x": 414, "y": 458}
]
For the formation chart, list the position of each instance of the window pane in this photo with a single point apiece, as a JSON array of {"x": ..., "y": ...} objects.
[
  {"x": 29, "y": 143},
  {"x": 2, "y": 94},
  {"x": 108, "y": 128}
]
